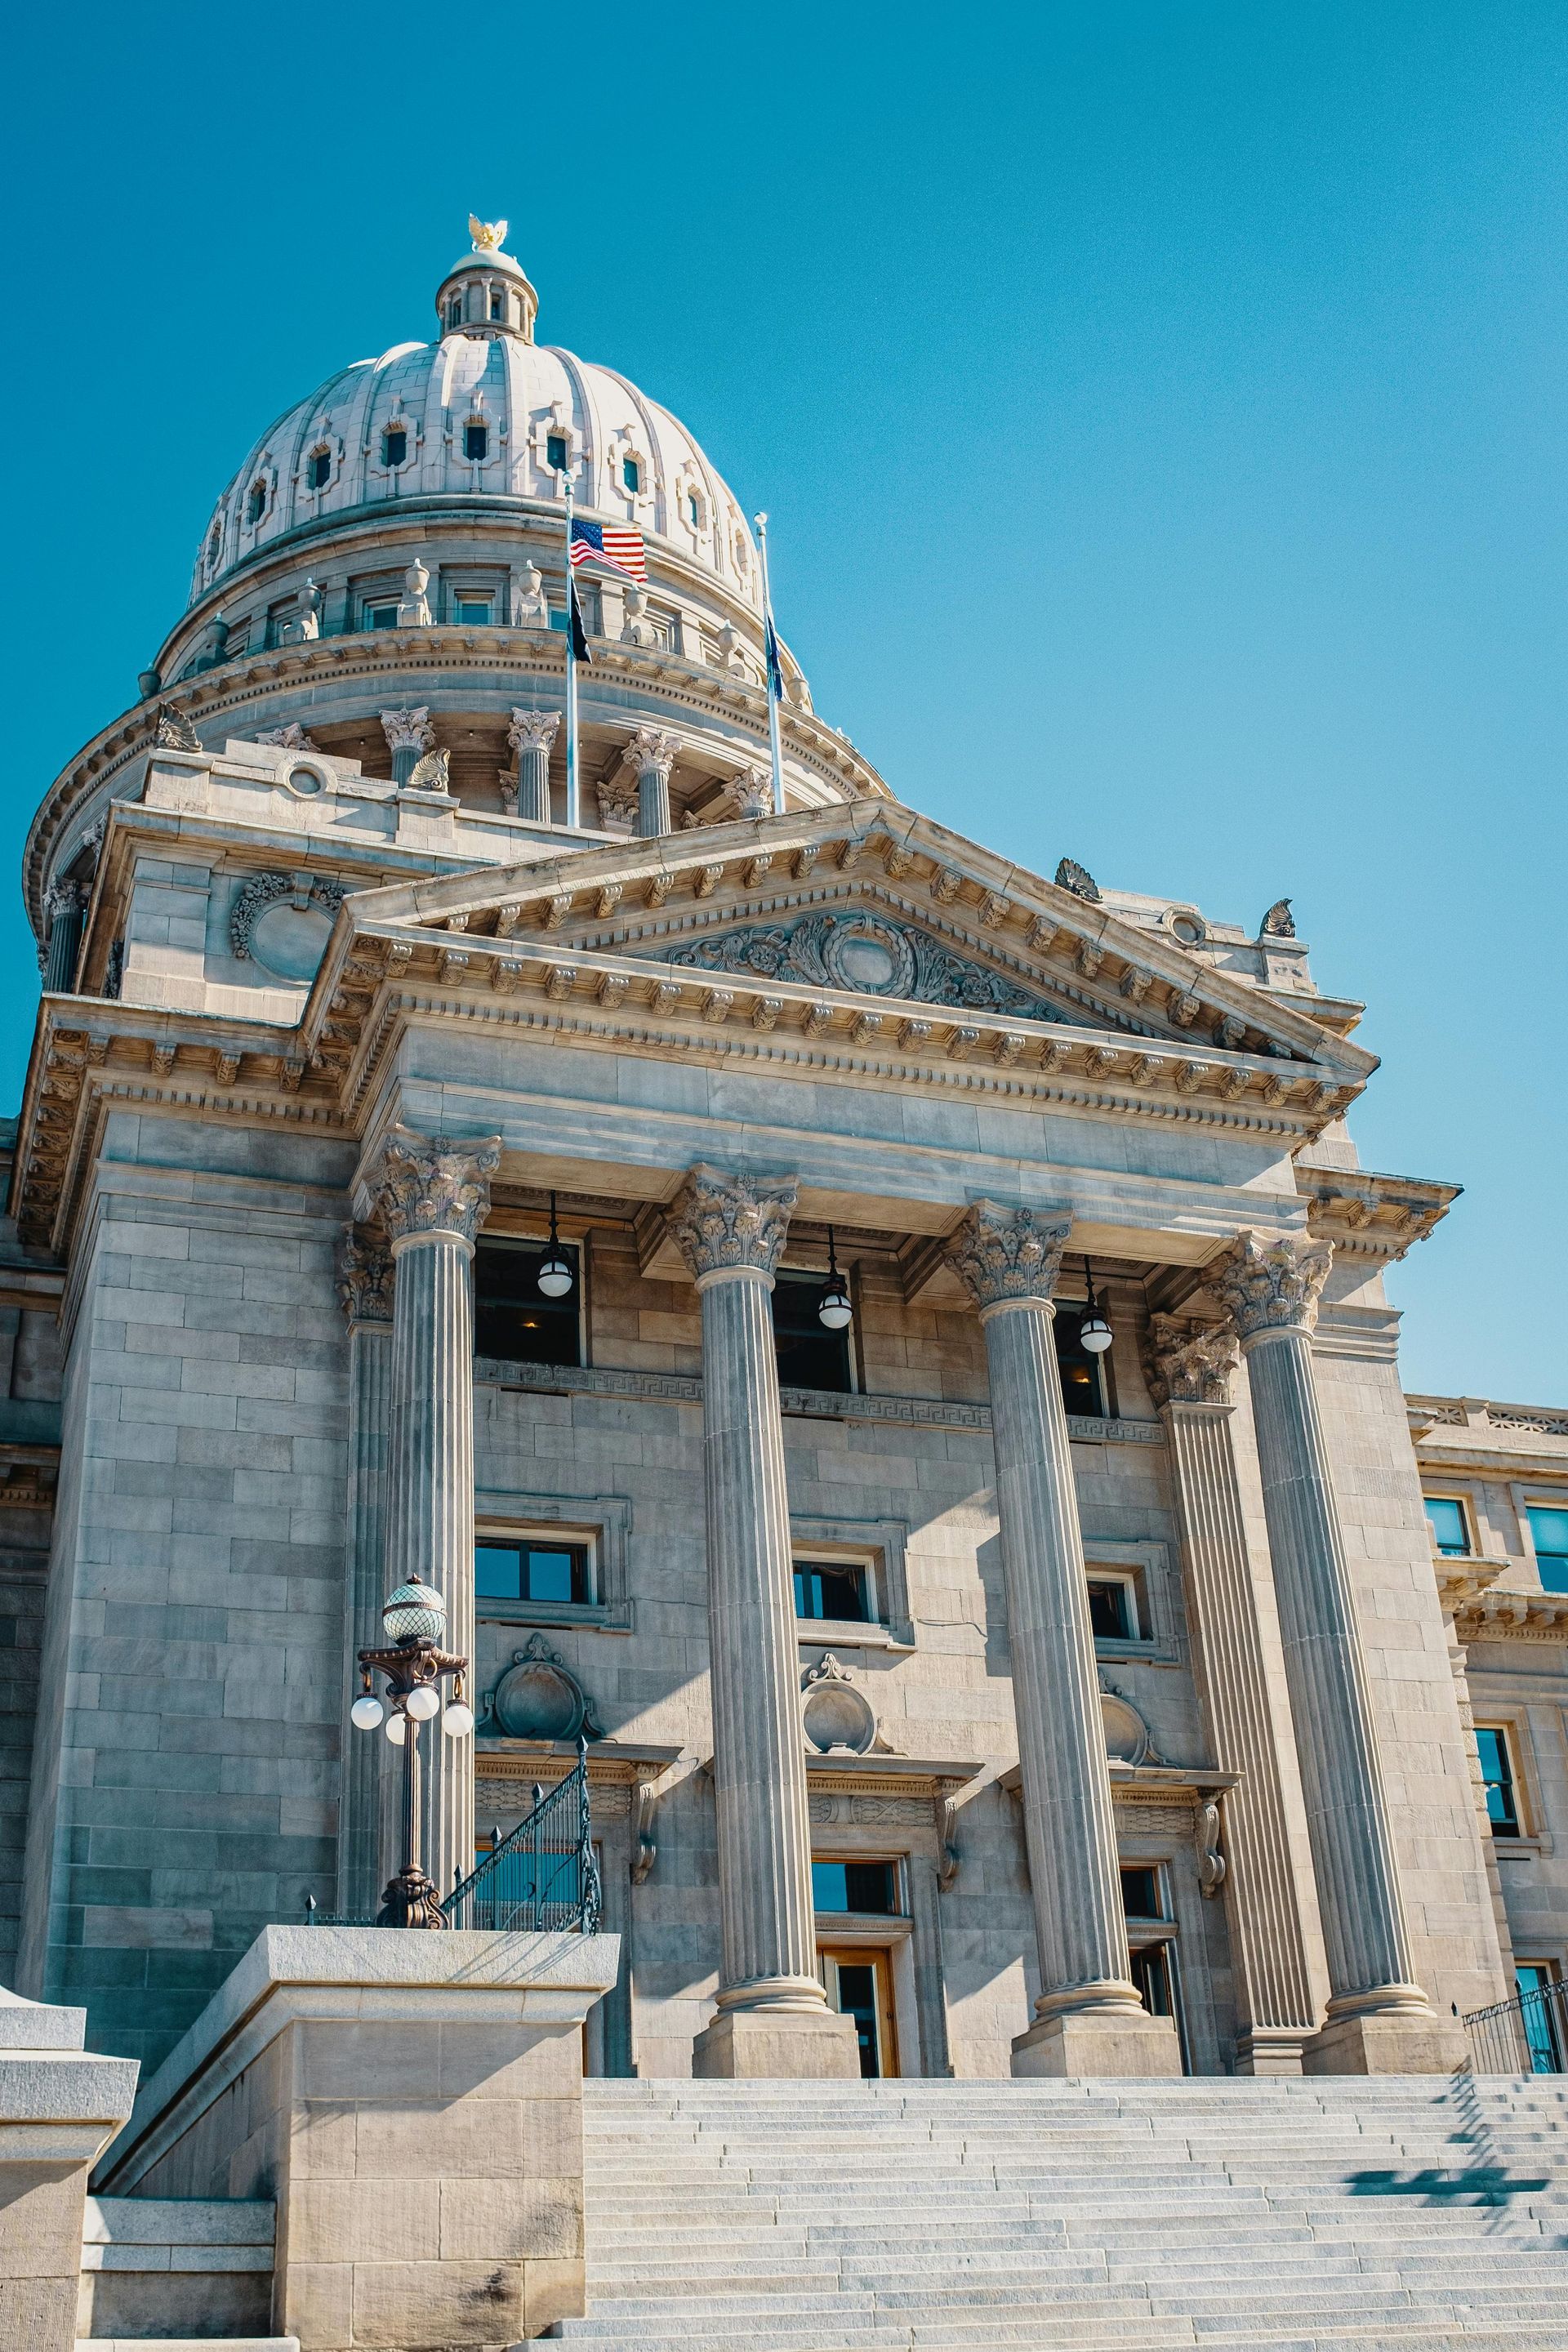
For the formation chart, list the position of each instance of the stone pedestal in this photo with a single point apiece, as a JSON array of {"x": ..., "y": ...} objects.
[
  {"x": 1379, "y": 2019},
  {"x": 1089, "y": 2018},
  {"x": 59, "y": 2108},
  {"x": 433, "y": 1193},
  {"x": 414, "y": 2102},
  {"x": 364, "y": 1291},
  {"x": 772, "y": 2017},
  {"x": 531, "y": 736},
  {"x": 1247, "y": 1719}
]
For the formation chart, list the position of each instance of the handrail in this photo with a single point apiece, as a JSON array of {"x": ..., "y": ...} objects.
[
  {"x": 1526, "y": 2035},
  {"x": 544, "y": 1875}
]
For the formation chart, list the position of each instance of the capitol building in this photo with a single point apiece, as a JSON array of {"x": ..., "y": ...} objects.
[{"x": 881, "y": 1353}]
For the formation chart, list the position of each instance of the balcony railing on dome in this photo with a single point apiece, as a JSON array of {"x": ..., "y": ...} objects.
[
  {"x": 544, "y": 1875},
  {"x": 1526, "y": 2035}
]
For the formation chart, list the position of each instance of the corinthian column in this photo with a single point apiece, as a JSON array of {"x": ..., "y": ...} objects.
[
  {"x": 1089, "y": 2019},
  {"x": 1379, "y": 2019},
  {"x": 773, "y": 2016},
  {"x": 652, "y": 754},
  {"x": 433, "y": 1193},
  {"x": 531, "y": 736},
  {"x": 65, "y": 903},
  {"x": 409, "y": 735},
  {"x": 1247, "y": 1716},
  {"x": 364, "y": 1293}
]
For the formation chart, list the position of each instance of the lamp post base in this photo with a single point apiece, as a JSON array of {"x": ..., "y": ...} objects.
[{"x": 411, "y": 1900}]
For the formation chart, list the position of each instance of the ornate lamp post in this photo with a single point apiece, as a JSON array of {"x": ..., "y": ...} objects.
[{"x": 414, "y": 1617}]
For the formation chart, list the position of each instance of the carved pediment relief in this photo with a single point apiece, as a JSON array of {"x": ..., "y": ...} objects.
[{"x": 865, "y": 954}]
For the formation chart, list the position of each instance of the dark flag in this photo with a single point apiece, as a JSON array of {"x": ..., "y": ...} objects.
[
  {"x": 574, "y": 623},
  {"x": 775, "y": 668}
]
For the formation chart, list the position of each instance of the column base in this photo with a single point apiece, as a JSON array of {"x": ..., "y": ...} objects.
[
  {"x": 1104, "y": 2041},
  {"x": 1405, "y": 2038},
  {"x": 764, "y": 2045},
  {"x": 1271, "y": 2049}
]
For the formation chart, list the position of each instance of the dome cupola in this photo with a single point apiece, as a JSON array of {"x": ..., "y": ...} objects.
[{"x": 487, "y": 292}]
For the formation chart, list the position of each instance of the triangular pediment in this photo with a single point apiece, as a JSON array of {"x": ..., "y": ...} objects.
[{"x": 864, "y": 904}]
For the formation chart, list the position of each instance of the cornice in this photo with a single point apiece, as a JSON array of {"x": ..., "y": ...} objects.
[
  {"x": 1373, "y": 1216},
  {"x": 1513, "y": 1617}
]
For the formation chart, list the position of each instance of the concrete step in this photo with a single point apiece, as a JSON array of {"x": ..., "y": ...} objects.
[{"x": 187, "y": 2344}]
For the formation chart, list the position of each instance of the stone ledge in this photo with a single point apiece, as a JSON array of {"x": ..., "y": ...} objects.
[{"x": 819, "y": 1404}]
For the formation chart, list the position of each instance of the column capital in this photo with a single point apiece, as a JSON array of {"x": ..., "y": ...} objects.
[
  {"x": 1272, "y": 1282},
  {"x": 1005, "y": 1256},
  {"x": 436, "y": 1184},
  {"x": 651, "y": 751},
  {"x": 533, "y": 731},
  {"x": 1190, "y": 1363},
  {"x": 725, "y": 1221},
  {"x": 408, "y": 731},
  {"x": 364, "y": 1277}
]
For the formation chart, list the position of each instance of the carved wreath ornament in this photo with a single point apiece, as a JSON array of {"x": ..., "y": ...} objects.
[
  {"x": 269, "y": 890},
  {"x": 869, "y": 957}
]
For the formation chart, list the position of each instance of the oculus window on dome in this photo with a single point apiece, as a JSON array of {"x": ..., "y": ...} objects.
[{"x": 516, "y": 1321}]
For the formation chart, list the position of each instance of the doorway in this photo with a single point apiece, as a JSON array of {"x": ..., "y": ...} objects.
[{"x": 861, "y": 1985}]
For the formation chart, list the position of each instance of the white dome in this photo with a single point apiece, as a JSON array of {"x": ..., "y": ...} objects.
[{"x": 523, "y": 395}]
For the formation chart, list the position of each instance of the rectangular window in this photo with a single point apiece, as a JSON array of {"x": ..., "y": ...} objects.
[
  {"x": 1141, "y": 1895},
  {"x": 381, "y": 617},
  {"x": 1549, "y": 1534},
  {"x": 476, "y": 442},
  {"x": 855, "y": 1886},
  {"x": 555, "y": 452},
  {"x": 473, "y": 610},
  {"x": 1112, "y": 1608},
  {"x": 1446, "y": 1517},
  {"x": 512, "y": 1318},
  {"x": 530, "y": 1569},
  {"x": 832, "y": 1589},
  {"x": 809, "y": 1355},
  {"x": 1086, "y": 1387},
  {"x": 1497, "y": 1771}
]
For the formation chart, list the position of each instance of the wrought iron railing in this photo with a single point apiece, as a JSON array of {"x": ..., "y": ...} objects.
[
  {"x": 1526, "y": 2035},
  {"x": 545, "y": 1874}
]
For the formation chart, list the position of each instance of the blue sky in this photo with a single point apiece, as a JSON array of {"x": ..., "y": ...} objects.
[{"x": 1159, "y": 409}]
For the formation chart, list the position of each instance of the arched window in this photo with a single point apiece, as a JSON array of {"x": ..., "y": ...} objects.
[
  {"x": 395, "y": 445},
  {"x": 477, "y": 442},
  {"x": 318, "y": 471},
  {"x": 256, "y": 504},
  {"x": 631, "y": 475},
  {"x": 555, "y": 452}
]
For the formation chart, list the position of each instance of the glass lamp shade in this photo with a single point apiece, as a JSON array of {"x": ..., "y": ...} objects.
[
  {"x": 1094, "y": 1333},
  {"x": 367, "y": 1712},
  {"x": 422, "y": 1703},
  {"x": 415, "y": 1612},
  {"x": 833, "y": 1310},
  {"x": 554, "y": 1277},
  {"x": 459, "y": 1719},
  {"x": 397, "y": 1728}
]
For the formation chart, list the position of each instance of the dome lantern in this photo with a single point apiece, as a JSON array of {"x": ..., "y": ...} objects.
[{"x": 486, "y": 293}]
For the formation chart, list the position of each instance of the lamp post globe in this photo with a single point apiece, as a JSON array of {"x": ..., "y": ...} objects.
[{"x": 415, "y": 1612}]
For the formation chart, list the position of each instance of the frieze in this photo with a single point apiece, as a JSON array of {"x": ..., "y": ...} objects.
[
  {"x": 816, "y": 1404},
  {"x": 866, "y": 955}
]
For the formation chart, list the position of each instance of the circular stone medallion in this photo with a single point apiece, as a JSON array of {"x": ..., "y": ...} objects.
[{"x": 871, "y": 958}]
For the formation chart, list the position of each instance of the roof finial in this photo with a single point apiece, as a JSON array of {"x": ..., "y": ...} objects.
[{"x": 487, "y": 234}]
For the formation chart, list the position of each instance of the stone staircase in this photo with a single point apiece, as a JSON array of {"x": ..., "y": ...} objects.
[
  {"x": 1405, "y": 2215},
  {"x": 177, "y": 2274}
]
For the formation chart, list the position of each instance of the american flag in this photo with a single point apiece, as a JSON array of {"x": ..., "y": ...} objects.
[{"x": 602, "y": 542}]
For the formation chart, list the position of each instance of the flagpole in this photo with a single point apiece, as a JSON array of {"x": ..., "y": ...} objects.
[
  {"x": 572, "y": 814},
  {"x": 769, "y": 636}
]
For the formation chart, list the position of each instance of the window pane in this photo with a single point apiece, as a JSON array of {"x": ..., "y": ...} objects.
[
  {"x": 1549, "y": 1534},
  {"x": 809, "y": 1357},
  {"x": 498, "y": 1573},
  {"x": 855, "y": 1886},
  {"x": 475, "y": 440},
  {"x": 394, "y": 445},
  {"x": 631, "y": 474},
  {"x": 1540, "y": 2013},
  {"x": 1151, "y": 1975},
  {"x": 555, "y": 1574},
  {"x": 476, "y": 610},
  {"x": 381, "y": 617},
  {"x": 1082, "y": 1374},
  {"x": 1497, "y": 1771},
  {"x": 1110, "y": 1617},
  {"x": 1140, "y": 1895},
  {"x": 512, "y": 1318},
  {"x": 826, "y": 1589},
  {"x": 1446, "y": 1517},
  {"x": 555, "y": 452}
]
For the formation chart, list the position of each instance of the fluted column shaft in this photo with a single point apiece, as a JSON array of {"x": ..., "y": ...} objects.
[
  {"x": 66, "y": 904},
  {"x": 530, "y": 735},
  {"x": 1247, "y": 1730},
  {"x": 1069, "y": 1826},
  {"x": 365, "y": 1290},
  {"x": 653, "y": 755},
  {"x": 435, "y": 1194},
  {"x": 731, "y": 1230},
  {"x": 1089, "y": 2019}
]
